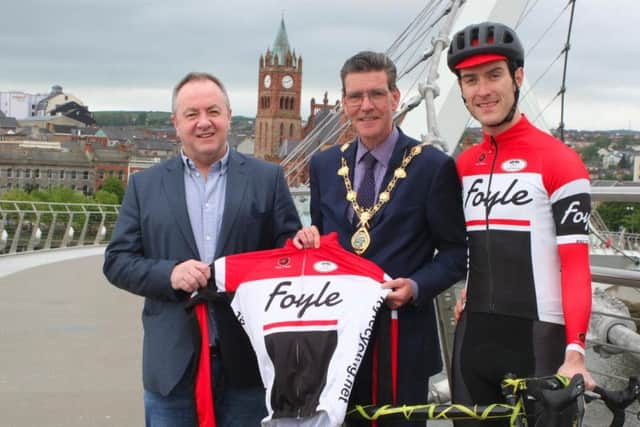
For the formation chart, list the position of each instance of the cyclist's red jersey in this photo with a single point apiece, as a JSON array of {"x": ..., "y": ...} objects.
[{"x": 527, "y": 203}]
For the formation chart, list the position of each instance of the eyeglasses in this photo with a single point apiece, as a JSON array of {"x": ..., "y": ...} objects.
[{"x": 376, "y": 96}]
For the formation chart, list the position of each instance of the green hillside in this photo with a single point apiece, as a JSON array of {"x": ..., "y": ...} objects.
[{"x": 132, "y": 118}]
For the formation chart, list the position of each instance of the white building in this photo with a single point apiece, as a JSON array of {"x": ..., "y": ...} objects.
[
  {"x": 20, "y": 105},
  {"x": 53, "y": 100}
]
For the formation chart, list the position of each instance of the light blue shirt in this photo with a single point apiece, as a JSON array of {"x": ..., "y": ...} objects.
[{"x": 205, "y": 205}]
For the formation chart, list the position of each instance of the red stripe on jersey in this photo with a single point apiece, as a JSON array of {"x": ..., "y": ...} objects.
[
  {"x": 394, "y": 358},
  {"x": 518, "y": 222},
  {"x": 203, "y": 389},
  {"x": 300, "y": 323}
]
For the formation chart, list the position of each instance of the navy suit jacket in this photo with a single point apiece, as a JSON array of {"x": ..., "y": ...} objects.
[
  {"x": 419, "y": 234},
  {"x": 153, "y": 234}
]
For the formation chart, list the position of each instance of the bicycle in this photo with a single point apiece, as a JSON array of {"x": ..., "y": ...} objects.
[{"x": 553, "y": 393}]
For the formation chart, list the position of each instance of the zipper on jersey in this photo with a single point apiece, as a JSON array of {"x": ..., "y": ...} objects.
[{"x": 494, "y": 145}]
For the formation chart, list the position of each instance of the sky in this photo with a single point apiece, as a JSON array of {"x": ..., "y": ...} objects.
[{"x": 128, "y": 54}]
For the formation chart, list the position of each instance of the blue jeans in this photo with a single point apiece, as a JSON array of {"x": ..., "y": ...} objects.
[{"x": 233, "y": 407}]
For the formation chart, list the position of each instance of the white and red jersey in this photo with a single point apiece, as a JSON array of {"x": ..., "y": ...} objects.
[
  {"x": 309, "y": 315},
  {"x": 526, "y": 196}
]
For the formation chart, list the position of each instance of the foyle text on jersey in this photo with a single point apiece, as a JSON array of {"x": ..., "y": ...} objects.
[
  {"x": 478, "y": 197},
  {"x": 302, "y": 301},
  {"x": 576, "y": 215}
]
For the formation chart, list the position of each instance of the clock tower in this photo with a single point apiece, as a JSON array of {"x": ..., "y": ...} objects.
[{"x": 279, "y": 90}]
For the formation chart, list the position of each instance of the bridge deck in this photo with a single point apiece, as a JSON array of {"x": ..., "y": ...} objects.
[{"x": 70, "y": 348}]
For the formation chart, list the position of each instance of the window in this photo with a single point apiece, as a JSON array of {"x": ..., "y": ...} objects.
[
  {"x": 85, "y": 175},
  {"x": 73, "y": 175},
  {"x": 27, "y": 173},
  {"x": 37, "y": 173},
  {"x": 120, "y": 175},
  {"x": 9, "y": 173},
  {"x": 18, "y": 173},
  {"x": 49, "y": 173},
  {"x": 100, "y": 174},
  {"x": 61, "y": 174}
]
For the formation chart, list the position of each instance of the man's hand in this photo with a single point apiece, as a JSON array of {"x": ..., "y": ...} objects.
[
  {"x": 459, "y": 308},
  {"x": 574, "y": 364},
  {"x": 401, "y": 292},
  {"x": 190, "y": 275},
  {"x": 307, "y": 237}
]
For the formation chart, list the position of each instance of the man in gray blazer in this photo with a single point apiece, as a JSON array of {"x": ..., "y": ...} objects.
[{"x": 177, "y": 217}]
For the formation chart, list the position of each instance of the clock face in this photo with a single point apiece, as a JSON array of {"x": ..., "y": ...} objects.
[
  {"x": 287, "y": 82},
  {"x": 267, "y": 81}
]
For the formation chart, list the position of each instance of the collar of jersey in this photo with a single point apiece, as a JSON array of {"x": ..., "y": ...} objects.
[
  {"x": 328, "y": 239},
  {"x": 514, "y": 134}
]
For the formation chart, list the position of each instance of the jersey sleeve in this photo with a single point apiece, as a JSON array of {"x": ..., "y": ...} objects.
[
  {"x": 576, "y": 292},
  {"x": 567, "y": 182},
  {"x": 570, "y": 195}
]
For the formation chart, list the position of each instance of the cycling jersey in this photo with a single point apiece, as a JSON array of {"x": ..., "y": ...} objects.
[
  {"x": 526, "y": 196},
  {"x": 309, "y": 316}
]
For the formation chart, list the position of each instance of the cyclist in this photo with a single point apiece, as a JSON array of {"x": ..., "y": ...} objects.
[{"x": 526, "y": 196}]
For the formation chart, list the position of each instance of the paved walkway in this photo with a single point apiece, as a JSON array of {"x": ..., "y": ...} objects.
[{"x": 70, "y": 348}]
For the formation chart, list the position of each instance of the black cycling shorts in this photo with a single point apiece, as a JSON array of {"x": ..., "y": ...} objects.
[{"x": 489, "y": 346}]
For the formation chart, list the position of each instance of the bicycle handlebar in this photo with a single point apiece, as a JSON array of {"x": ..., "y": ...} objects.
[
  {"x": 555, "y": 396},
  {"x": 618, "y": 400},
  {"x": 555, "y": 393}
]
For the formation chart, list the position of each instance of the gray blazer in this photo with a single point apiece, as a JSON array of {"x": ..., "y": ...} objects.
[{"x": 153, "y": 234}]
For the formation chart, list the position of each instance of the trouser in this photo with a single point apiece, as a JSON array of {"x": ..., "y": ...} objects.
[
  {"x": 487, "y": 347},
  {"x": 234, "y": 407}
]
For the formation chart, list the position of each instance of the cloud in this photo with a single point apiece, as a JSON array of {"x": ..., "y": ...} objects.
[{"x": 127, "y": 54}]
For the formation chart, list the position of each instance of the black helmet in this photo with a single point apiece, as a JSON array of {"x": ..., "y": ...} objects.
[{"x": 490, "y": 40}]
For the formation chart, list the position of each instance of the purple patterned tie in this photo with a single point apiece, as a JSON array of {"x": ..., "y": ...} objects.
[{"x": 367, "y": 188}]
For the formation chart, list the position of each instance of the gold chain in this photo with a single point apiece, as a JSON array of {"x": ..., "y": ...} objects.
[{"x": 365, "y": 215}]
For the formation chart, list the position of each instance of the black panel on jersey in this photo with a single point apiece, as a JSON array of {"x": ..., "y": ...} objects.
[
  {"x": 571, "y": 214},
  {"x": 296, "y": 389},
  {"x": 504, "y": 285}
]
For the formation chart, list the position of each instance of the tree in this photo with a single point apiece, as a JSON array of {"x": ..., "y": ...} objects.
[
  {"x": 632, "y": 221},
  {"x": 115, "y": 186},
  {"x": 141, "y": 120},
  {"x": 66, "y": 195},
  {"x": 618, "y": 214},
  {"x": 15, "y": 194},
  {"x": 589, "y": 153},
  {"x": 105, "y": 197}
]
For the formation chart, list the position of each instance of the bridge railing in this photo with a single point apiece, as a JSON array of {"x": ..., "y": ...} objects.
[{"x": 29, "y": 226}]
